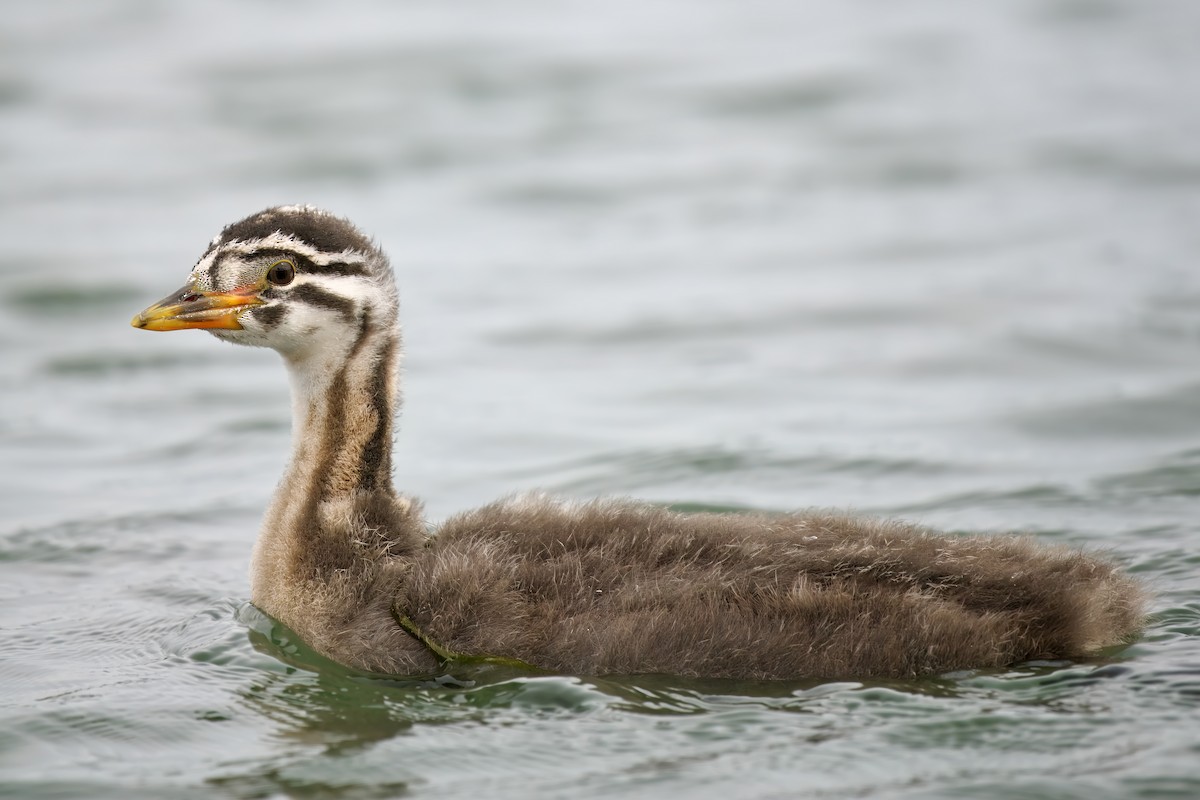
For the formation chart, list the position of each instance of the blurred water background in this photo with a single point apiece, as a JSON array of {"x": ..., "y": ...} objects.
[{"x": 929, "y": 259}]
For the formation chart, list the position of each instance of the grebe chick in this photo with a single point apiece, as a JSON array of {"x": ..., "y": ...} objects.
[{"x": 592, "y": 588}]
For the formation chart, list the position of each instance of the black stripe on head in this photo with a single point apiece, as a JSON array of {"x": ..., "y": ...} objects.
[
  {"x": 276, "y": 253},
  {"x": 270, "y": 316},
  {"x": 305, "y": 266},
  {"x": 316, "y": 296},
  {"x": 322, "y": 231},
  {"x": 335, "y": 268}
]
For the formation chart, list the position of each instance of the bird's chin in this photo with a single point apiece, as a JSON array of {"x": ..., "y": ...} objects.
[
  {"x": 251, "y": 335},
  {"x": 242, "y": 337}
]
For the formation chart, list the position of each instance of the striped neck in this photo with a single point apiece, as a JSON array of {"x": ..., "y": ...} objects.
[{"x": 343, "y": 401}]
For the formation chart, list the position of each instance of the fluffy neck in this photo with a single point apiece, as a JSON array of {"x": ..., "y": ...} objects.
[{"x": 343, "y": 401}]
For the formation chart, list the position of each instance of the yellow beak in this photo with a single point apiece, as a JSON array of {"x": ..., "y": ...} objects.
[{"x": 189, "y": 308}]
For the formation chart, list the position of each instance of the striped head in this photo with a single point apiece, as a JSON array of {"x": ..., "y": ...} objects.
[{"x": 291, "y": 278}]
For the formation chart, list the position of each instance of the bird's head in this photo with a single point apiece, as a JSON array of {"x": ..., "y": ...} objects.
[{"x": 290, "y": 278}]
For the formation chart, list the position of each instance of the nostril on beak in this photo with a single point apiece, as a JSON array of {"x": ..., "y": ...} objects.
[{"x": 189, "y": 298}]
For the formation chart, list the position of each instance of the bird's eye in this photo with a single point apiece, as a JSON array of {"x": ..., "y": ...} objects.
[{"x": 281, "y": 273}]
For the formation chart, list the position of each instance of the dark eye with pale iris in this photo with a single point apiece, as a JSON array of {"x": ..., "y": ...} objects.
[{"x": 281, "y": 273}]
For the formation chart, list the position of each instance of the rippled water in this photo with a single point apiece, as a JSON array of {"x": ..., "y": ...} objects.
[{"x": 933, "y": 259}]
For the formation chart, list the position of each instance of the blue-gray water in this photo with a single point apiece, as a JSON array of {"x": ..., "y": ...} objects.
[{"x": 932, "y": 259}]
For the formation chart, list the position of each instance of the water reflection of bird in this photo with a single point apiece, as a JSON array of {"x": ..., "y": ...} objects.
[{"x": 601, "y": 587}]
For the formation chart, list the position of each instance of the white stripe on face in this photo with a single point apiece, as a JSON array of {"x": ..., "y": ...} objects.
[{"x": 234, "y": 271}]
